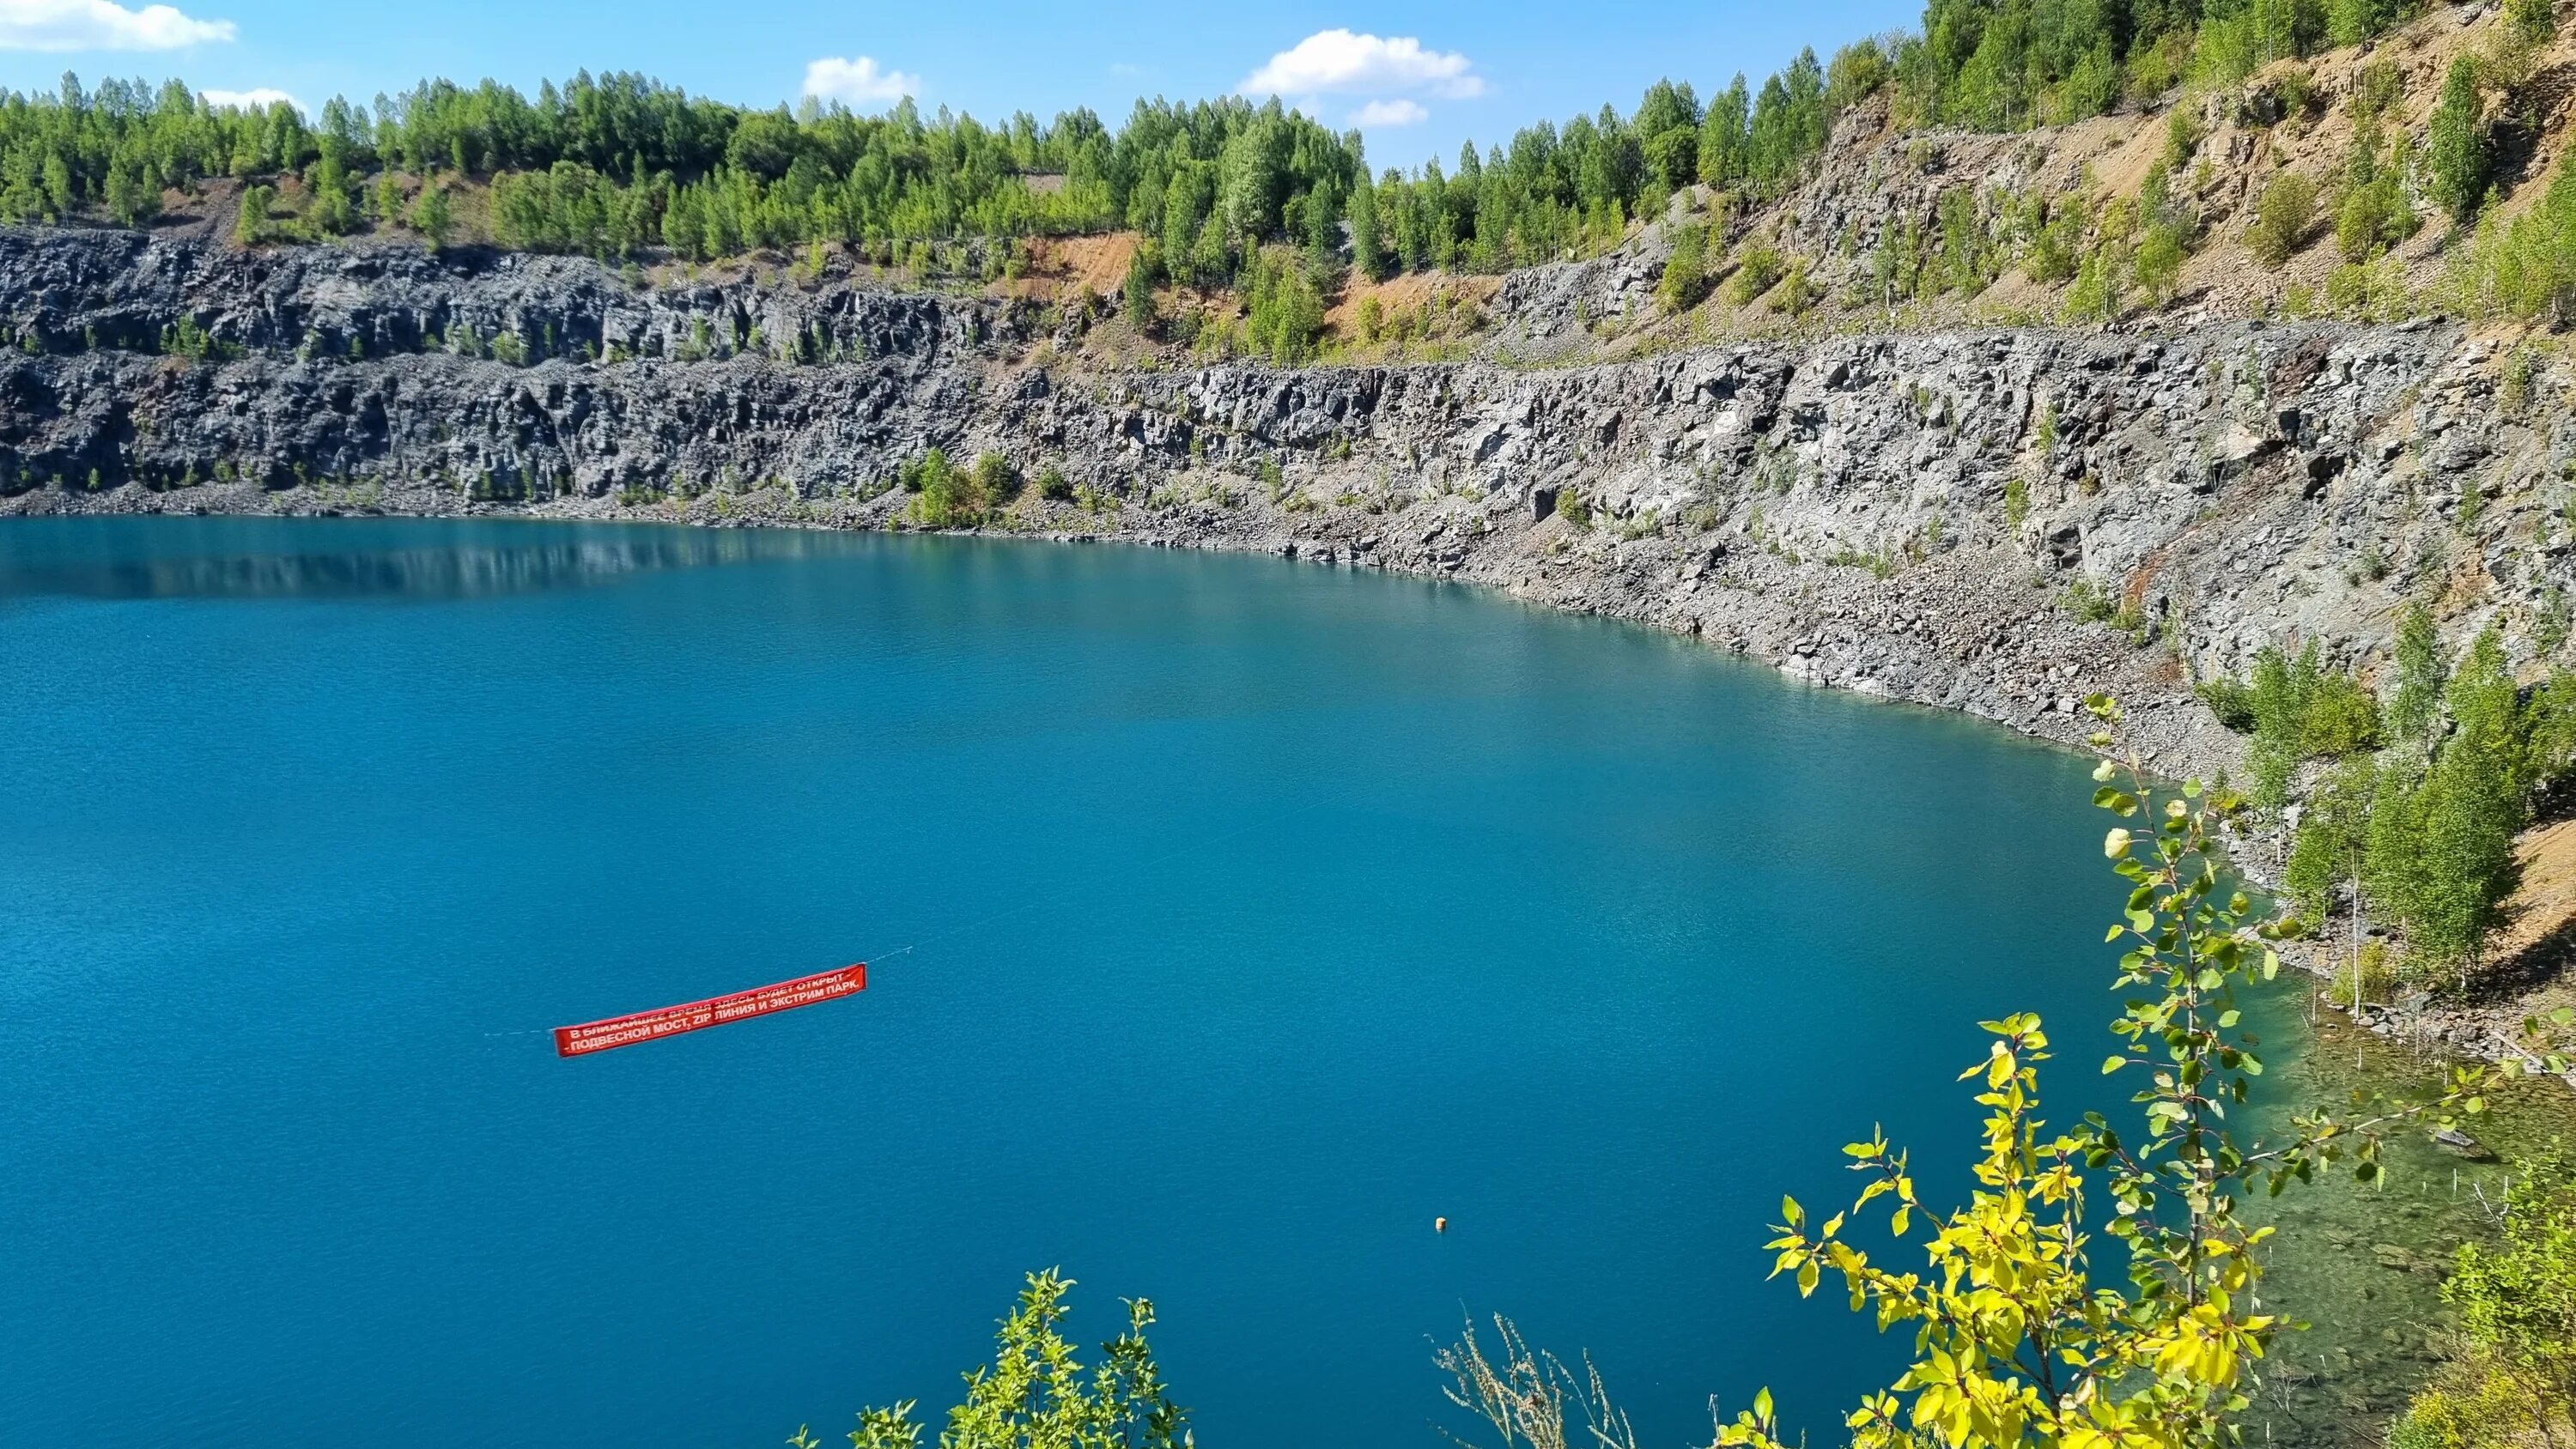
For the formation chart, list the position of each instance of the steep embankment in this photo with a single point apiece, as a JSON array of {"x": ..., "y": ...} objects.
[
  {"x": 1941, "y": 518},
  {"x": 1995, "y": 522},
  {"x": 1919, "y": 228}
]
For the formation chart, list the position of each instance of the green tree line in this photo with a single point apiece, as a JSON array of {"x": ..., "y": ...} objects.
[
  {"x": 2001, "y": 65},
  {"x": 623, "y": 161},
  {"x": 616, "y": 163},
  {"x": 2412, "y": 821},
  {"x": 620, "y": 162}
]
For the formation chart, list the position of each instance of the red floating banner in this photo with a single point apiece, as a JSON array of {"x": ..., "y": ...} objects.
[{"x": 618, "y": 1031}]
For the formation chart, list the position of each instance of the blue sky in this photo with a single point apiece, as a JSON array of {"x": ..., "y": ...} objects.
[{"x": 1418, "y": 78}]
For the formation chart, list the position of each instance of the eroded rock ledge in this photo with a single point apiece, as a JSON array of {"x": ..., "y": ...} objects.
[{"x": 1993, "y": 522}]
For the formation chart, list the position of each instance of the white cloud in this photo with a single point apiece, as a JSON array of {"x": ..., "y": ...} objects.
[
  {"x": 1369, "y": 65},
  {"x": 857, "y": 81},
  {"x": 257, "y": 99},
  {"x": 102, "y": 25},
  {"x": 1397, "y": 112}
]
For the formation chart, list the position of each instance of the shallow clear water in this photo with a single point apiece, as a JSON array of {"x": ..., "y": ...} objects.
[
  {"x": 2363, "y": 1267},
  {"x": 1258, "y": 912}
]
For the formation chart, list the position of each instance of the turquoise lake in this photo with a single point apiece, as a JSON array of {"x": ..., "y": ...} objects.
[{"x": 1230, "y": 918}]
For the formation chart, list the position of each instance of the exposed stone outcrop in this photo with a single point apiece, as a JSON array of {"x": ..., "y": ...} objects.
[{"x": 1995, "y": 522}]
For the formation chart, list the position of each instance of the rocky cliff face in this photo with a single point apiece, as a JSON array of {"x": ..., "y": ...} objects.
[{"x": 1996, "y": 522}]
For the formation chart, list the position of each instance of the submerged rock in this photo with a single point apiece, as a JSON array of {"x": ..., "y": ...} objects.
[{"x": 2463, "y": 1144}]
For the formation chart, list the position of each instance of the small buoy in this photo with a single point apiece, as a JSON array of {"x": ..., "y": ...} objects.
[{"x": 1439, "y": 1225}]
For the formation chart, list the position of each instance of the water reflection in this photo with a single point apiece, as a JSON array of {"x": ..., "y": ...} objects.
[{"x": 149, "y": 558}]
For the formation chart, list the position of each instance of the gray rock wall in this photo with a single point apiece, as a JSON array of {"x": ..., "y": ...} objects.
[{"x": 1926, "y": 517}]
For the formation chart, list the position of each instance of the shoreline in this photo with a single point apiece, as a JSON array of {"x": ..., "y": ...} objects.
[
  {"x": 2196, "y": 746},
  {"x": 2466, "y": 1029},
  {"x": 1995, "y": 523}
]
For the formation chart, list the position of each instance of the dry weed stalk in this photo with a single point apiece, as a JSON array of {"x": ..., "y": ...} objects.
[{"x": 1524, "y": 1398}]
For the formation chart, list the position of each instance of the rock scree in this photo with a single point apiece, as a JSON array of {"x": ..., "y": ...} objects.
[{"x": 1997, "y": 522}]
